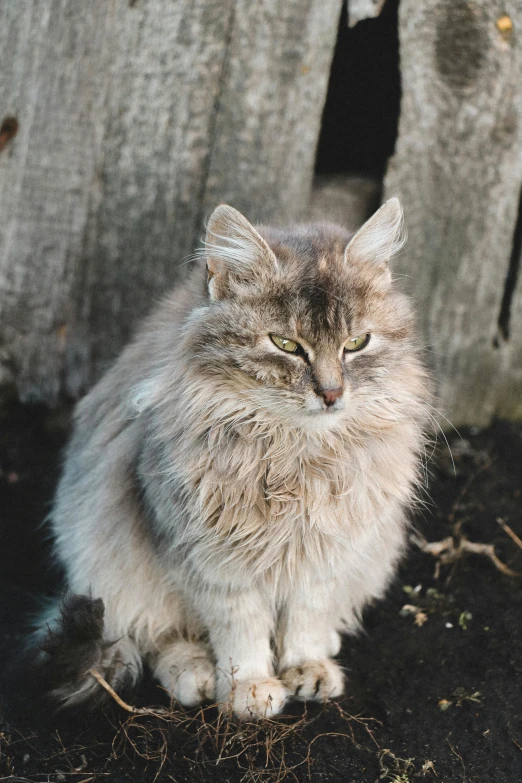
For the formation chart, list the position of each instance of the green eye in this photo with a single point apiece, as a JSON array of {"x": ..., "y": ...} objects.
[
  {"x": 356, "y": 343},
  {"x": 290, "y": 346}
]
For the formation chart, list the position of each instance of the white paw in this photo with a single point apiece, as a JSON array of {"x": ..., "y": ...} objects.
[
  {"x": 318, "y": 680},
  {"x": 256, "y": 698},
  {"x": 195, "y": 684},
  {"x": 187, "y": 673}
]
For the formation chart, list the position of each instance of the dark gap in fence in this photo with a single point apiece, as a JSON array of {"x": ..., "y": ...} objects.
[
  {"x": 511, "y": 281},
  {"x": 8, "y": 130},
  {"x": 360, "y": 118}
]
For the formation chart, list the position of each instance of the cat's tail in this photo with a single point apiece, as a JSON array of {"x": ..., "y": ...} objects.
[{"x": 70, "y": 644}]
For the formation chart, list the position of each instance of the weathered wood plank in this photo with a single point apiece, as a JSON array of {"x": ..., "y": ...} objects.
[
  {"x": 48, "y": 84},
  {"x": 114, "y": 100},
  {"x": 129, "y": 130},
  {"x": 270, "y": 107},
  {"x": 164, "y": 75},
  {"x": 458, "y": 170}
]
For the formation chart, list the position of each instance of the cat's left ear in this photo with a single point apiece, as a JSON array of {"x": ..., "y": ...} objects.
[
  {"x": 378, "y": 239},
  {"x": 238, "y": 258}
]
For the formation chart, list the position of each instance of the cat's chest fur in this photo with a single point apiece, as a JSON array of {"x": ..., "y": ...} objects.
[{"x": 272, "y": 506}]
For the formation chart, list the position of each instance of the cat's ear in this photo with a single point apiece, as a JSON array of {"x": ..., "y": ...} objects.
[
  {"x": 238, "y": 258},
  {"x": 379, "y": 238}
]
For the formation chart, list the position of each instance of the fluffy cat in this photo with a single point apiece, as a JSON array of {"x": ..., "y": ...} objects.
[{"x": 237, "y": 485}]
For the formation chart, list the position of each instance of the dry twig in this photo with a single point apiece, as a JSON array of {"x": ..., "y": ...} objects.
[
  {"x": 157, "y": 712},
  {"x": 511, "y": 533},
  {"x": 453, "y": 548},
  {"x": 457, "y": 545}
]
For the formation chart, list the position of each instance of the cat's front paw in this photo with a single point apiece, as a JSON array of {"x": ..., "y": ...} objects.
[
  {"x": 257, "y": 698},
  {"x": 195, "y": 685},
  {"x": 187, "y": 672},
  {"x": 317, "y": 680}
]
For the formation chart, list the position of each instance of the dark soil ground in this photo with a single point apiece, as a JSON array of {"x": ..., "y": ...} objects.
[{"x": 434, "y": 691}]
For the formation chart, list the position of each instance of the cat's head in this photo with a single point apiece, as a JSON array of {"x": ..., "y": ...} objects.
[{"x": 305, "y": 322}]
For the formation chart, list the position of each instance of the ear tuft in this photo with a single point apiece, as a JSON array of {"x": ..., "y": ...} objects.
[
  {"x": 381, "y": 237},
  {"x": 233, "y": 248}
]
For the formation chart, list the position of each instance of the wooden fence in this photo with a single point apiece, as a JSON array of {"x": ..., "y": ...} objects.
[
  {"x": 458, "y": 171},
  {"x": 123, "y": 122}
]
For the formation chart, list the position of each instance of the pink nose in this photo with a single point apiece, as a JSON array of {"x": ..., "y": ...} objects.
[{"x": 329, "y": 395}]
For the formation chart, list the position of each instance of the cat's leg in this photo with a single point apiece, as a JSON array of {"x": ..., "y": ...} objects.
[
  {"x": 307, "y": 641},
  {"x": 107, "y": 546},
  {"x": 186, "y": 670},
  {"x": 240, "y": 626}
]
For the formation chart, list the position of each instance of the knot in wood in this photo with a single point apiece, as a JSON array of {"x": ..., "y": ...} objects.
[{"x": 461, "y": 43}]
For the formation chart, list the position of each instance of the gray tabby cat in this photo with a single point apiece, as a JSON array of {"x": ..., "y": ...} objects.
[{"x": 237, "y": 485}]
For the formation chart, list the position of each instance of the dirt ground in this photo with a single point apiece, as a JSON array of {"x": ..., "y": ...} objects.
[{"x": 434, "y": 682}]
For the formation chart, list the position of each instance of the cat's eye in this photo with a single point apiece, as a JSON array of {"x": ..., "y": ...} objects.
[
  {"x": 357, "y": 343},
  {"x": 290, "y": 346}
]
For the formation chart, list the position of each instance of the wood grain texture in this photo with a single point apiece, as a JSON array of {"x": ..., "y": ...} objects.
[
  {"x": 48, "y": 84},
  {"x": 136, "y": 117},
  {"x": 164, "y": 72},
  {"x": 115, "y": 102},
  {"x": 458, "y": 171},
  {"x": 270, "y": 107}
]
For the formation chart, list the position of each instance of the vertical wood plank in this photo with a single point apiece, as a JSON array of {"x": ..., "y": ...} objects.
[
  {"x": 101, "y": 188},
  {"x": 270, "y": 106},
  {"x": 48, "y": 82},
  {"x": 129, "y": 130},
  {"x": 458, "y": 170},
  {"x": 164, "y": 77}
]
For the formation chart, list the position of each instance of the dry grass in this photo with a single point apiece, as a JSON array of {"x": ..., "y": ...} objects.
[
  {"x": 263, "y": 751},
  {"x": 266, "y": 751}
]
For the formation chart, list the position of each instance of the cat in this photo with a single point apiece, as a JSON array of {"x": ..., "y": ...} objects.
[{"x": 237, "y": 486}]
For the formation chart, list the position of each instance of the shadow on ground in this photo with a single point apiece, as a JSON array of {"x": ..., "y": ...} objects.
[{"x": 434, "y": 682}]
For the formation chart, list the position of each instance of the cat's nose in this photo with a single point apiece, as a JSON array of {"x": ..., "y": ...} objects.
[{"x": 330, "y": 395}]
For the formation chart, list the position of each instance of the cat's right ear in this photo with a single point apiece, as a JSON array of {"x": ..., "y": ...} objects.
[
  {"x": 238, "y": 258},
  {"x": 380, "y": 238}
]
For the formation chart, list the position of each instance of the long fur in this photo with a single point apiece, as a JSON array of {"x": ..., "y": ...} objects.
[{"x": 231, "y": 524}]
